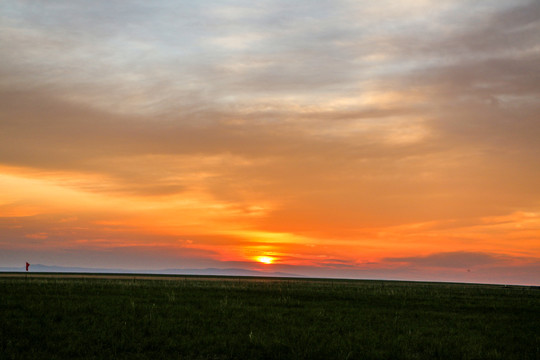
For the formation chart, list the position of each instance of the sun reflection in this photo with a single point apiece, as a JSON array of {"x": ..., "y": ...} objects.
[{"x": 265, "y": 259}]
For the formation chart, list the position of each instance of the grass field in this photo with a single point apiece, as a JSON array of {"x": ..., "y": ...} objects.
[{"x": 250, "y": 318}]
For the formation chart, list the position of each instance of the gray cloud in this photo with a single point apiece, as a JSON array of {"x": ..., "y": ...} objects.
[
  {"x": 457, "y": 259},
  {"x": 163, "y": 54}
]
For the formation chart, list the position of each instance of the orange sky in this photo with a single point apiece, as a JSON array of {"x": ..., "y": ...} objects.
[{"x": 339, "y": 139}]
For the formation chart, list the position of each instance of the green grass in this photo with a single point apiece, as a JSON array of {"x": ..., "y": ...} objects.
[{"x": 196, "y": 318}]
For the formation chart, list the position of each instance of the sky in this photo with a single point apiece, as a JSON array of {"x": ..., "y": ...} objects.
[{"x": 356, "y": 139}]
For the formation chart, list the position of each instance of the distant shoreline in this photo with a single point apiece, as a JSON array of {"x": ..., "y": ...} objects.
[{"x": 128, "y": 276}]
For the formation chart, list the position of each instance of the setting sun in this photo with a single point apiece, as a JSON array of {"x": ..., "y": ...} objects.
[{"x": 265, "y": 259}]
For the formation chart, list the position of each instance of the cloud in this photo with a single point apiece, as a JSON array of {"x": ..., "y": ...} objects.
[
  {"x": 457, "y": 260},
  {"x": 349, "y": 181},
  {"x": 37, "y": 236}
]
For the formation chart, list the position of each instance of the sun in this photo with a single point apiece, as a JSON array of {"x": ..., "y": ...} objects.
[{"x": 265, "y": 259}]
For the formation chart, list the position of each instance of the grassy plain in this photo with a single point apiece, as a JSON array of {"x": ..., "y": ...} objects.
[{"x": 253, "y": 318}]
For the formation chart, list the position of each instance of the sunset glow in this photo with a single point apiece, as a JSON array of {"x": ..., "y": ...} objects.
[
  {"x": 265, "y": 259},
  {"x": 386, "y": 140}
]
